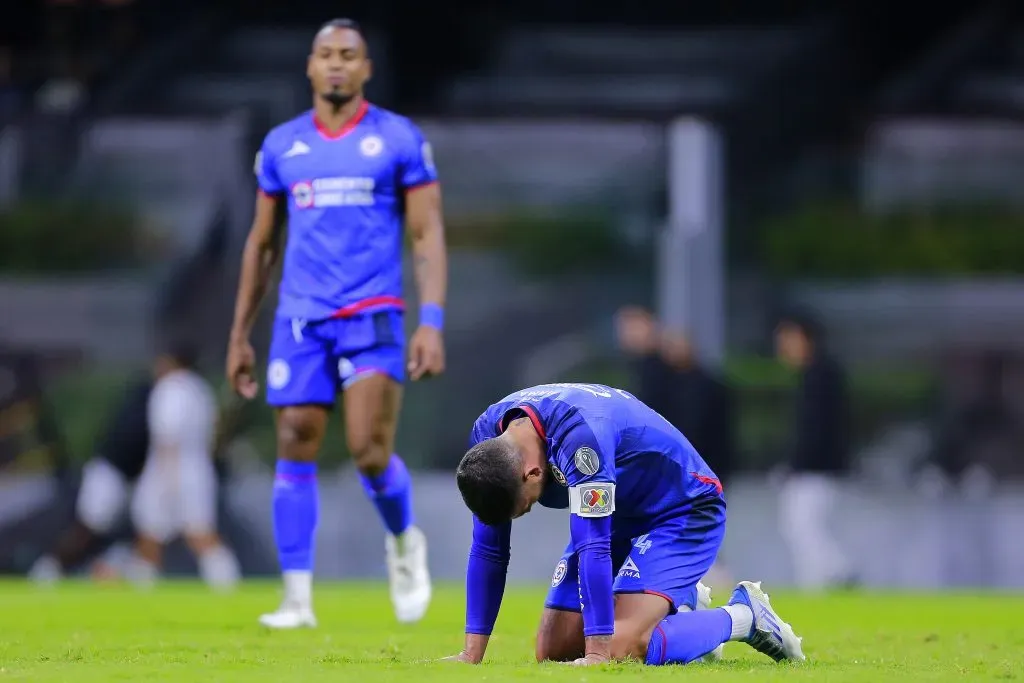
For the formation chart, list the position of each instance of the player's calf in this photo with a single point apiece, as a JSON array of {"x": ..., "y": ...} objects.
[
  {"x": 371, "y": 411},
  {"x": 296, "y": 505}
]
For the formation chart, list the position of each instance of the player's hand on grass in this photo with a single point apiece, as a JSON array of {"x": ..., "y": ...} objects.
[
  {"x": 240, "y": 368},
  {"x": 426, "y": 353},
  {"x": 591, "y": 659}
]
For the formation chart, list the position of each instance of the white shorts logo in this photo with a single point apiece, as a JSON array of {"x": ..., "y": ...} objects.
[
  {"x": 345, "y": 368},
  {"x": 629, "y": 569},
  {"x": 278, "y": 374},
  {"x": 559, "y": 575},
  {"x": 371, "y": 146}
]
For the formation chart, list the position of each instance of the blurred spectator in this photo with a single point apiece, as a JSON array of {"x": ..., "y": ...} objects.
[
  {"x": 103, "y": 494},
  {"x": 691, "y": 397},
  {"x": 818, "y": 458},
  {"x": 974, "y": 424},
  {"x": 671, "y": 381},
  {"x": 177, "y": 490}
]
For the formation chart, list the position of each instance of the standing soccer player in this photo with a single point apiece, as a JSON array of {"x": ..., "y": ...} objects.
[{"x": 350, "y": 174}]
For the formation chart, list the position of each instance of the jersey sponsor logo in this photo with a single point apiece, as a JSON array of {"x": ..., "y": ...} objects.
[
  {"x": 560, "y": 570},
  {"x": 371, "y": 146},
  {"x": 279, "y": 373},
  {"x": 592, "y": 500},
  {"x": 557, "y": 474},
  {"x": 298, "y": 147},
  {"x": 587, "y": 461},
  {"x": 629, "y": 569},
  {"x": 323, "y": 193}
]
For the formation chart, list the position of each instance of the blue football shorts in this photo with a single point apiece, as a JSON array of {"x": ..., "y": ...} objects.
[
  {"x": 668, "y": 561},
  {"x": 310, "y": 362}
]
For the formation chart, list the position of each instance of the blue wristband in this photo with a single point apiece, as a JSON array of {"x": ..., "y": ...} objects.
[{"x": 432, "y": 315}]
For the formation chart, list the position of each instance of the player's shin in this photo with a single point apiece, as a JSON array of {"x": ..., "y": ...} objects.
[
  {"x": 687, "y": 636},
  {"x": 295, "y": 517},
  {"x": 391, "y": 492}
]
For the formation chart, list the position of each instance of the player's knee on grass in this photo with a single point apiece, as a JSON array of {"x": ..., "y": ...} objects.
[
  {"x": 560, "y": 636},
  {"x": 631, "y": 640},
  {"x": 561, "y": 640},
  {"x": 300, "y": 430}
]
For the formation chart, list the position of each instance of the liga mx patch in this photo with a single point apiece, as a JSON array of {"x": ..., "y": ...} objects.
[
  {"x": 587, "y": 461},
  {"x": 596, "y": 499}
]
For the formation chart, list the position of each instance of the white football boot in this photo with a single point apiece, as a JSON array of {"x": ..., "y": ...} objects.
[
  {"x": 288, "y": 616},
  {"x": 704, "y": 602},
  {"x": 408, "y": 574},
  {"x": 769, "y": 635},
  {"x": 296, "y": 610}
]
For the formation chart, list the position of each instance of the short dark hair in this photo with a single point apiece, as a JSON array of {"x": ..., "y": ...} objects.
[
  {"x": 489, "y": 478},
  {"x": 350, "y": 24}
]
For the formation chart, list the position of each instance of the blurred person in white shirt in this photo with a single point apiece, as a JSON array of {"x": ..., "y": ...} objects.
[{"x": 177, "y": 492}]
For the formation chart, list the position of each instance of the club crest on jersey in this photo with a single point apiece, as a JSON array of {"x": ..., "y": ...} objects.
[
  {"x": 371, "y": 146},
  {"x": 560, "y": 570},
  {"x": 278, "y": 374},
  {"x": 587, "y": 461},
  {"x": 557, "y": 474},
  {"x": 302, "y": 193}
]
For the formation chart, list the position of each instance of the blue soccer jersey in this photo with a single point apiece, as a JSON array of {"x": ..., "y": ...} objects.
[
  {"x": 642, "y": 503},
  {"x": 346, "y": 199}
]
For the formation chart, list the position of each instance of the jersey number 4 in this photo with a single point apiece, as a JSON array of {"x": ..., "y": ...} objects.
[{"x": 642, "y": 544}]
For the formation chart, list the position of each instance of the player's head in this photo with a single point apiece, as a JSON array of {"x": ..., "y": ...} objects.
[
  {"x": 339, "y": 62},
  {"x": 498, "y": 481},
  {"x": 797, "y": 336}
]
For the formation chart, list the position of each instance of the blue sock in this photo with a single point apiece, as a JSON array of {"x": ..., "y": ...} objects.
[
  {"x": 391, "y": 492},
  {"x": 688, "y": 636},
  {"x": 296, "y": 506}
]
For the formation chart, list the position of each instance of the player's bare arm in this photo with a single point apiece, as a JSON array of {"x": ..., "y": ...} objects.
[
  {"x": 260, "y": 256},
  {"x": 599, "y": 651},
  {"x": 473, "y": 651},
  {"x": 430, "y": 258}
]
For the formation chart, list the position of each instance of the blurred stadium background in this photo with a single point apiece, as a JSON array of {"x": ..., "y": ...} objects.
[{"x": 718, "y": 162}]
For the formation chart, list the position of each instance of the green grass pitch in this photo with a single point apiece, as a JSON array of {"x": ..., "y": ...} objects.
[{"x": 85, "y": 633}]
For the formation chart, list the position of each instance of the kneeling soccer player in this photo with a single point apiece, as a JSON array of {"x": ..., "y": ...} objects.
[{"x": 647, "y": 519}]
